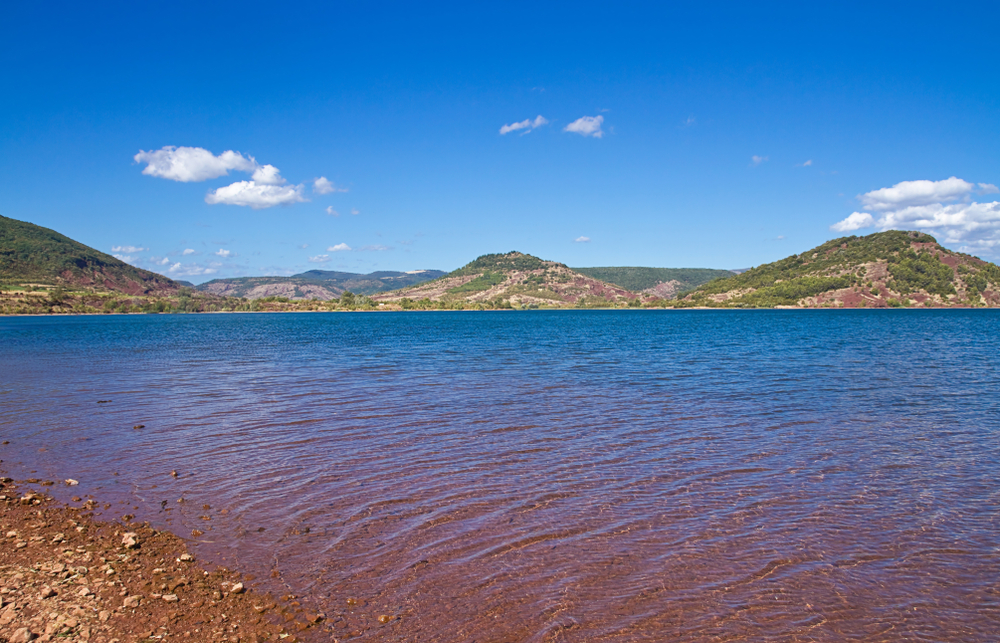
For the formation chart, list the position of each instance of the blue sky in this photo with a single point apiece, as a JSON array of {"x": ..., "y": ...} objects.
[{"x": 713, "y": 134}]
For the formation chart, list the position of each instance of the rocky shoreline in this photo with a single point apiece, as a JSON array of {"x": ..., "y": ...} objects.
[{"x": 66, "y": 576}]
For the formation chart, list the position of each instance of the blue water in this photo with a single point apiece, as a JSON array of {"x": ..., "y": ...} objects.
[{"x": 549, "y": 475}]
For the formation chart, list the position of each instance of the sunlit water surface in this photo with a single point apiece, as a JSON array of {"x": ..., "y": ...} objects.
[{"x": 542, "y": 476}]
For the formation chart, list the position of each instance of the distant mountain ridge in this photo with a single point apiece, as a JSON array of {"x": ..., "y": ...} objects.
[
  {"x": 664, "y": 283},
  {"x": 32, "y": 254},
  {"x": 885, "y": 269},
  {"x": 317, "y": 284}
]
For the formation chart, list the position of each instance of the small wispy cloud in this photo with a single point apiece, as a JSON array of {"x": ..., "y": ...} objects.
[
  {"x": 527, "y": 125},
  {"x": 689, "y": 121},
  {"x": 190, "y": 270},
  {"x": 332, "y": 212},
  {"x": 319, "y": 259},
  {"x": 126, "y": 258},
  {"x": 322, "y": 185},
  {"x": 757, "y": 160},
  {"x": 806, "y": 164},
  {"x": 188, "y": 251},
  {"x": 164, "y": 261},
  {"x": 374, "y": 248},
  {"x": 340, "y": 247},
  {"x": 355, "y": 211},
  {"x": 224, "y": 253},
  {"x": 127, "y": 249},
  {"x": 586, "y": 126},
  {"x": 581, "y": 240},
  {"x": 303, "y": 245}
]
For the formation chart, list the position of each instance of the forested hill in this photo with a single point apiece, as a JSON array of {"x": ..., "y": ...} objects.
[
  {"x": 514, "y": 279},
  {"x": 33, "y": 254},
  {"x": 885, "y": 269}
]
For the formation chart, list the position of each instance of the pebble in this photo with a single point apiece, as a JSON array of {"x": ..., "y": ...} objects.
[
  {"x": 237, "y": 589},
  {"x": 170, "y": 598},
  {"x": 70, "y": 482},
  {"x": 131, "y": 601},
  {"x": 22, "y": 635},
  {"x": 47, "y": 592},
  {"x": 186, "y": 558},
  {"x": 130, "y": 540},
  {"x": 139, "y": 426}
]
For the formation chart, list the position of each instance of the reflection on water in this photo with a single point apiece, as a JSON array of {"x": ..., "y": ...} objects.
[{"x": 573, "y": 476}]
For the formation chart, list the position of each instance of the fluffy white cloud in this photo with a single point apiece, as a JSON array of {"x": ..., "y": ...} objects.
[
  {"x": 164, "y": 261},
  {"x": 267, "y": 175},
  {"x": 340, "y": 247},
  {"x": 188, "y": 251},
  {"x": 913, "y": 193},
  {"x": 942, "y": 208},
  {"x": 856, "y": 221},
  {"x": 586, "y": 126},
  {"x": 322, "y": 185},
  {"x": 188, "y": 164},
  {"x": 332, "y": 212},
  {"x": 255, "y": 195},
  {"x": 223, "y": 253},
  {"x": 127, "y": 249},
  {"x": 757, "y": 160},
  {"x": 319, "y": 259},
  {"x": 355, "y": 211},
  {"x": 582, "y": 240},
  {"x": 527, "y": 125},
  {"x": 190, "y": 270},
  {"x": 126, "y": 258}
]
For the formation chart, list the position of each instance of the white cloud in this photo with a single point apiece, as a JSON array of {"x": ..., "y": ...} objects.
[
  {"x": 268, "y": 175},
  {"x": 913, "y": 193},
  {"x": 188, "y": 251},
  {"x": 807, "y": 163},
  {"x": 188, "y": 164},
  {"x": 586, "y": 126},
  {"x": 856, "y": 221},
  {"x": 127, "y": 249},
  {"x": 304, "y": 246},
  {"x": 322, "y": 185},
  {"x": 332, "y": 212},
  {"x": 319, "y": 259},
  {"x": 582, "y": 240},
  {"x": 126, "y": 258},
  {"x": 223, "y": 253},
  {"x": 355, "y": 211},
  {"x": 527, "y": 125},
  {"x": 374, "y": 248},
  {"x": 757, "y": 160},
  {"x": 256, "y": 196},
  {"x": 164, "y": 261},
  {"x": 942, "y": 208},
  {"x": 189, "y": 270},
  {"x": 340, "y": 247},
  {"x": 690, "y": 121}
]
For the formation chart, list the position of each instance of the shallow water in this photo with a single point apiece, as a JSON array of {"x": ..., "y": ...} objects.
[{"x": 537, "y": 476}]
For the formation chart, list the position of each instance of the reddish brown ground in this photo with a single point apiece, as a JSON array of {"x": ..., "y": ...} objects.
[{"x": 68, "y": 577}]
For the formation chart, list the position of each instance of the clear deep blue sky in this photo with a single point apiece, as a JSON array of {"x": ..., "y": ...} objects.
[{"x": 402, "y": 105}]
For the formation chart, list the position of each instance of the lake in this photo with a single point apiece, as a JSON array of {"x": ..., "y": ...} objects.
[{"x": 546, "y": 475}]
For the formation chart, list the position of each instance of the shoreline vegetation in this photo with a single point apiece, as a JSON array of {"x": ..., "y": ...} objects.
[{"x": 66, "y": 575}]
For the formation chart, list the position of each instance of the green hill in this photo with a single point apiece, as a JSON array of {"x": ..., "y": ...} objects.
[
  {"x": 33, "y": 254},
  {"x": 893, "y": 268},
  {"x": 513, "y": 279},
  {"x": 669, "y": 280}
]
